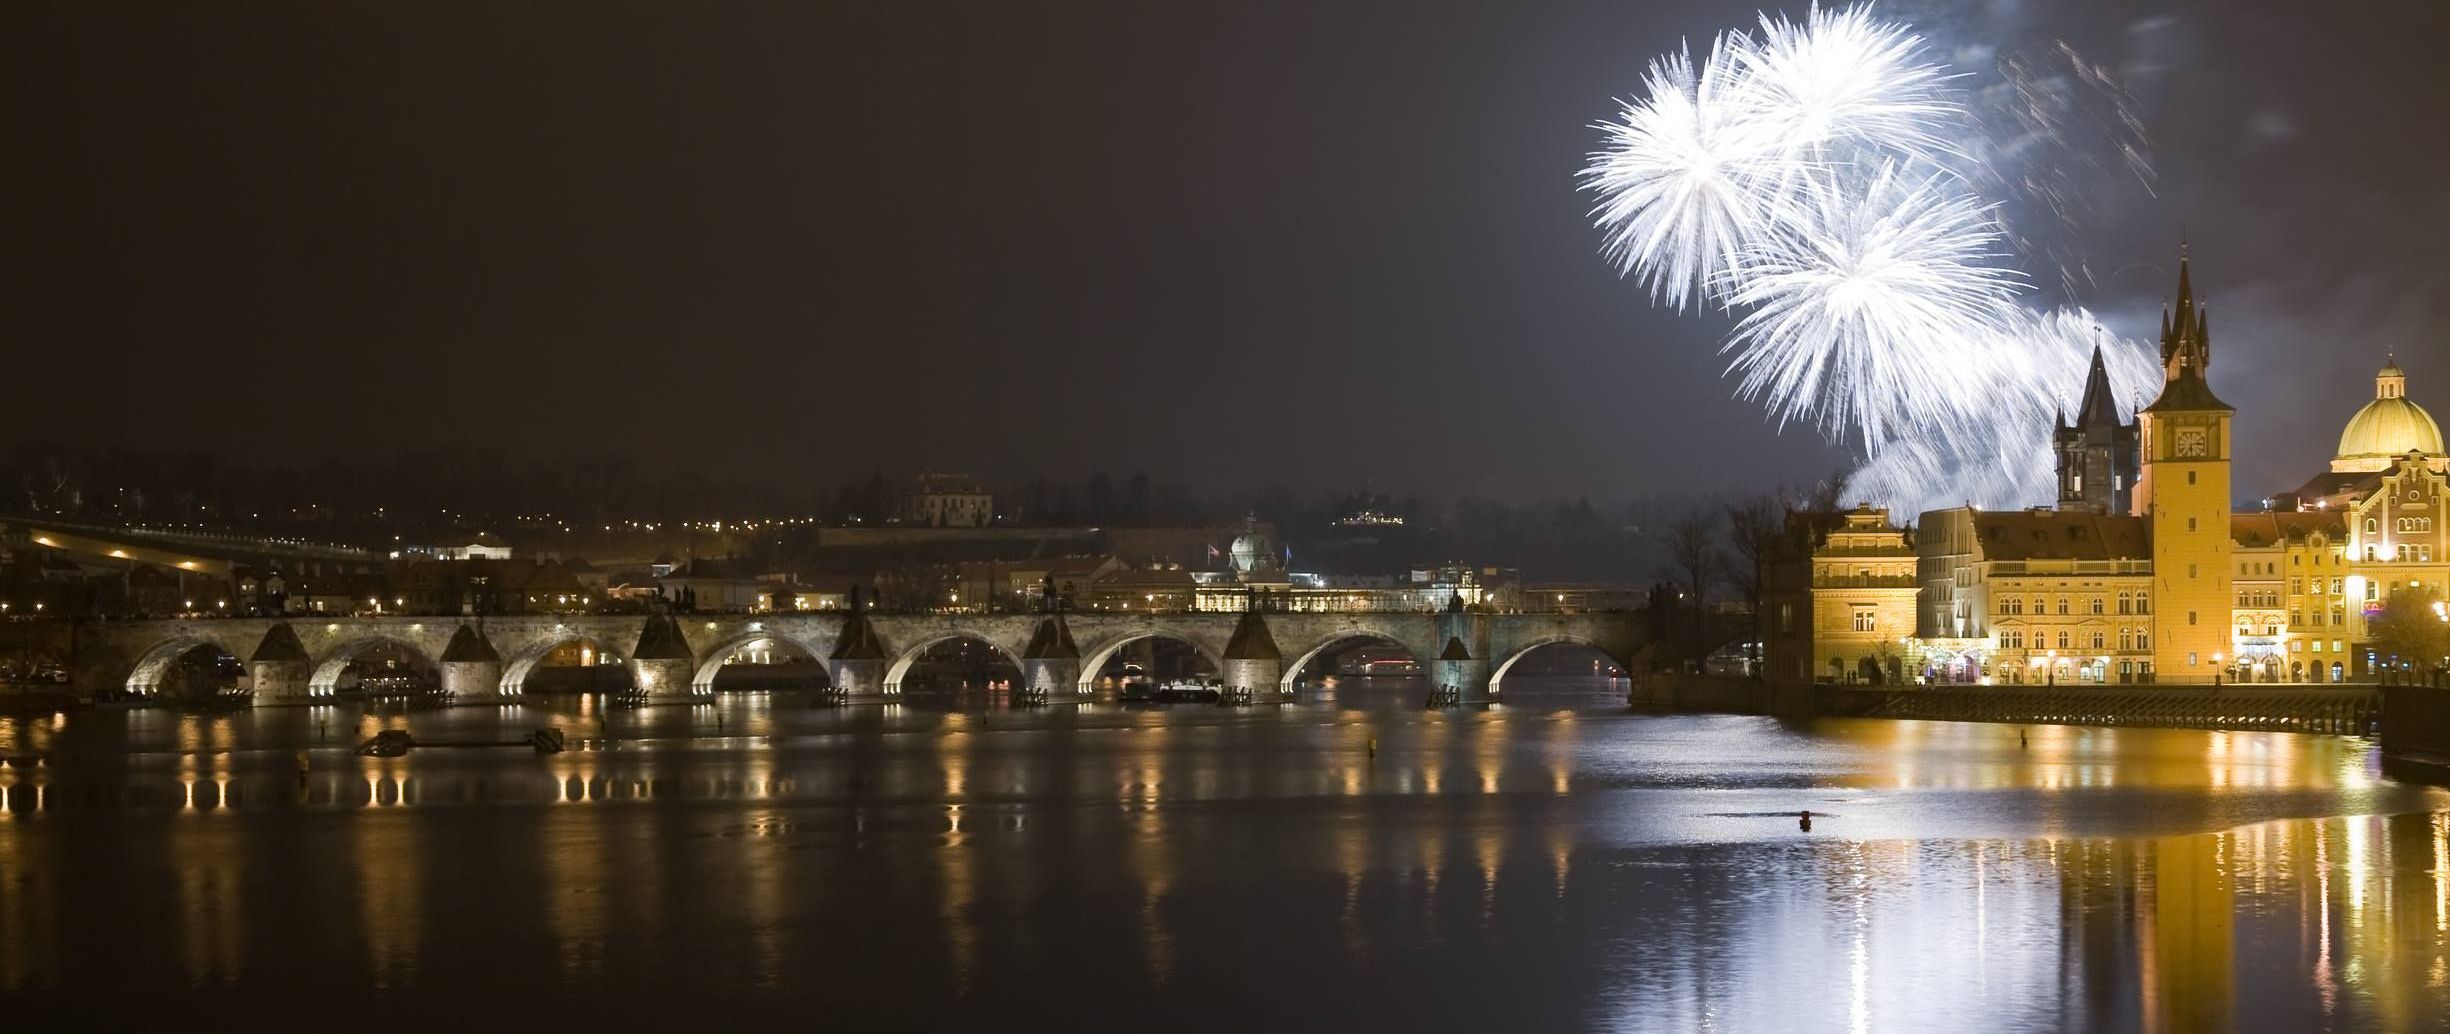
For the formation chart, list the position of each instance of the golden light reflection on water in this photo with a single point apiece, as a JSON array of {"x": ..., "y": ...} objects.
[
  {"x": 2176, "y": 931},
  {"x": 1977, "y": 756},
  {"x": 385, "y": 856}
]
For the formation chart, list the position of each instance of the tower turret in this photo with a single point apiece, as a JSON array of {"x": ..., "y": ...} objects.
[
  {"x": 2182, "y": 490},
  {"x": 2097, "y": 453}
]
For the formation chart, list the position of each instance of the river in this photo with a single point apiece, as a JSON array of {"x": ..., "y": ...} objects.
[{"x": 1351, "y": 861}]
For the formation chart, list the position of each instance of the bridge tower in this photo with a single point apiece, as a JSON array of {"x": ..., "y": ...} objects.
[
  {"x": 857, "y": 664},
  {"x": 281, "y": 668},
  {"x": 1254, "y": 667},
  {"x": 663, "y": 664},
  {"x": 472, "y": 669}
]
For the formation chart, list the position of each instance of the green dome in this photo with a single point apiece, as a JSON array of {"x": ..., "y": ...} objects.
[{"x": 2387, "y": 428}]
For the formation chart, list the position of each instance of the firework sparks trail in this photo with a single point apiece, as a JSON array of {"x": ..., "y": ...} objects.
[{"x": 1809, "y": 176}]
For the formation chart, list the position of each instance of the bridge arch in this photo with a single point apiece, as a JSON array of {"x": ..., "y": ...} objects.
[
  {"x": 1294, "y": 666},
  {"x": 326, "y": 678},
  {"x": 152, "y": 667},
  {"x": 1093, "y": 661},
  {"x": 523, "y": 663},
  {"x": 1497, "y": 671},
  {"x": 902, "y": 662},
  {"x": 703, "y": 681}
]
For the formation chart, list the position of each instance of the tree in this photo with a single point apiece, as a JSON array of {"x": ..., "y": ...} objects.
[
  {"x": 1695, "y": 560},
  {"x": 2409, "y": 630},
  {"x": 1753, "y": 526}
]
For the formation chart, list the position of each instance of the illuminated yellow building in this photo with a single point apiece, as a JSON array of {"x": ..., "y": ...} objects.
[
  {"x": 1847, "y": 609},
  {"x": 2289, "y": 622},
  {"x": 2154, "y": 578},
  {"x": 2383, "y": 496}
]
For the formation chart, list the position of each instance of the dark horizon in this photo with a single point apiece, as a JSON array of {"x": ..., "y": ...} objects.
[{"x": 1253, "y": 253}]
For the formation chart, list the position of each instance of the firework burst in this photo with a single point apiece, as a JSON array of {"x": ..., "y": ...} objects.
[{"x": 1804, "y": 176}]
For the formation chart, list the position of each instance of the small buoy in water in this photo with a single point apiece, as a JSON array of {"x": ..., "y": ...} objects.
[{"x": 1804, "y": 820}]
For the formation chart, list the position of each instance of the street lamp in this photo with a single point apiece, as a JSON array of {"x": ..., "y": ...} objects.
[{"x": 2216, "y": 670}]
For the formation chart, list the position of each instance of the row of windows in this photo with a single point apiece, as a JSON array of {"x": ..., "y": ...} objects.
[
  {"x": 2408, "y": 524},
  {"x": 2128, "y": 603},
  {"x": 2097, "y": 639}
]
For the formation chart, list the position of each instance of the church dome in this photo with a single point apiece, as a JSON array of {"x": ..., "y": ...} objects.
[
  {"x": 1254, "y": 549},
  {"x": 2387, "y": 428}
]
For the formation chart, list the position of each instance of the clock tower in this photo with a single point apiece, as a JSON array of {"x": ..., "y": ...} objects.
[{"x": 2182, "y": 492}]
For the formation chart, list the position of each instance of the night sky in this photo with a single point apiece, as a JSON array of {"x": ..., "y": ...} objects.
[{"x": 1247, "y": 246}]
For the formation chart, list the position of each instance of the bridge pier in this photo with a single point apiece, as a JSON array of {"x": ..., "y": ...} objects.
[
  {"x": 1053, "y": 679},
  {"x": 281, "y": 683},
  {"x": 472, "y": 669},
  {"x": 1254, "y": 668},
  {"x": 1050, "y": 664},
  {"x": 282, "y": 672},
  {"x": 860, "y": 679},
  {"x": 662, "y": 666},
  {"x": 1460, "y": 674}
]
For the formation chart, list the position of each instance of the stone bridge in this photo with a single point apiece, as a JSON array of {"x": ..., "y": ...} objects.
[{"x": 298, "y": 659}]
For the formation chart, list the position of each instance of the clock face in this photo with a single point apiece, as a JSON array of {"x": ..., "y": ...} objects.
[{"x": 2193, "y": 443}]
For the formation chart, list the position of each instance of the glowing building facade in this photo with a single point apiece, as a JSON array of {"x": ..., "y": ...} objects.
[{"x": 2142, "y": 572}]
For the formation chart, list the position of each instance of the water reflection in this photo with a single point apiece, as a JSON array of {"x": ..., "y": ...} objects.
[{"x": 1549, "y": 864}]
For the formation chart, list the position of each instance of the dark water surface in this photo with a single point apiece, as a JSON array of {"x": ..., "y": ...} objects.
[{"x": 1552, "y": 864}]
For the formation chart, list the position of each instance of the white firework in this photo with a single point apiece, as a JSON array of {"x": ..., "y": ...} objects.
[
  {"x": 1845, "y": 81},
  {"x": 1862, "y": 311},
  {"x": 1680, "y": 181},
  {"x": 1810, "y": 178}
]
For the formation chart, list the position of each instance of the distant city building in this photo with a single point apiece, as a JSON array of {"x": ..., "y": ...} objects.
[
  {"x": 948, "y": 501},
  {"x": 480, "y": 546}
]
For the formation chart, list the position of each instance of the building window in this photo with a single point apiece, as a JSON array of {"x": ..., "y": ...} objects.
[
  {"x": 1864, "y": 619},
  {"x": 2190, "y": 617},
  {"x": 2100, "y": 639},
  {"x": 2143, "y": 639},
  {"x": 2063, "y": 639},
  {"x": 2143, "y": 603},
  {"x": 2062, "y": 604},
  {"x": 2126, "y": 604},
  {"x": 1786, "y": 618},
  {"x": 2193, "y": 659},
  {"x": 2096, "y": 604}
]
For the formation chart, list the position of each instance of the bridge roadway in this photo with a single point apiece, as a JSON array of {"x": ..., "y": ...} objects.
[{"x": 299, "y": 659}]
